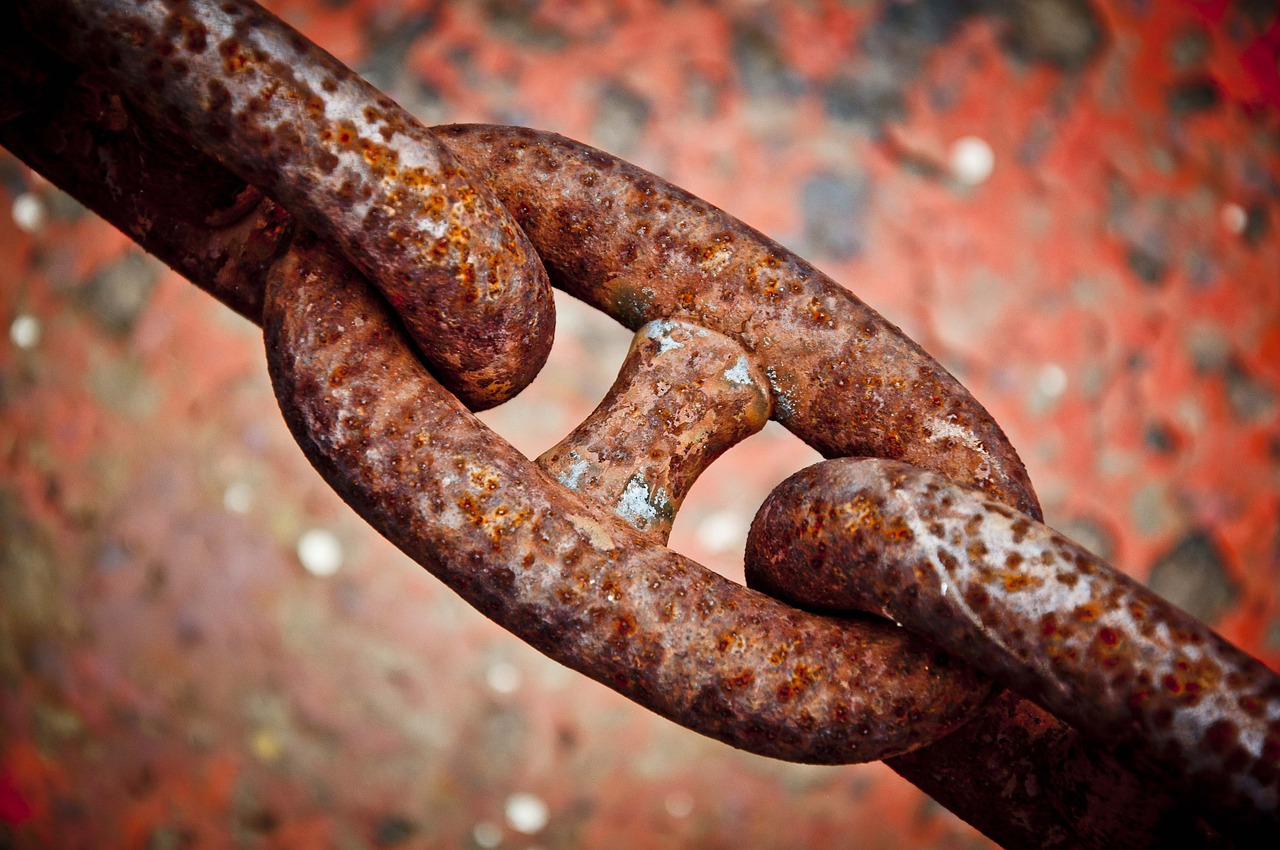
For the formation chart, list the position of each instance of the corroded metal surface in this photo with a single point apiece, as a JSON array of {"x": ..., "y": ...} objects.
[
  {"x": 1038, "y": 612},
  {"x": 684, "y": 395},
  {"x": 630, "y": 243},
  {"x": 351, "y": 163},
  {"x": 1012, "y": 741},
  {"x": 178, "y": 202},
  {"x": 658, "y": 222},
  {"x": 575, "y": 582}
]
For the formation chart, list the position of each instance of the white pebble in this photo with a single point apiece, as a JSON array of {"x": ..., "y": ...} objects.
[
  {"x": 487, "y": 834},
  {"x": 29, "y": 212},
  {"x": 526, "y": 813},
  {"x": 238, "y": 498},
  {"x": 320, "y": 552},
  {"x": 678, "y": 804},
  {"x": 25, "y": 331},
  {"x": 503, "y": 677},
  {"x": 1234, "y": 218},
  {"x": 972, "y": 160}
]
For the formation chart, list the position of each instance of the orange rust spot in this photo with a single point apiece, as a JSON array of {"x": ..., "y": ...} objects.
[
  {"x": 233, "y": 57},
  {"x": 473, "y": 513},
  {"x": 802, "y": 678},
  {"x": 740, "y": 680},
  {"x": 1019, "y": 581},
  {"x": 1087, "y": 612}
]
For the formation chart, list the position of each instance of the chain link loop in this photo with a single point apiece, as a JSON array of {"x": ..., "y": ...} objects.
[{"x": 309, "y": 184}]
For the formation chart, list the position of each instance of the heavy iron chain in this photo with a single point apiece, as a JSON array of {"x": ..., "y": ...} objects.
[{"x": 269, "y": 174}]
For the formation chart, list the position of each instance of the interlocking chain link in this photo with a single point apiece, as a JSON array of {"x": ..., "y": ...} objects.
[{"x": 308, "y": 184}]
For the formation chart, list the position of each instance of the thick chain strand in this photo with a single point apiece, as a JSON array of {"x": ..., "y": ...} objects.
[{"x": 313, "y": 183}]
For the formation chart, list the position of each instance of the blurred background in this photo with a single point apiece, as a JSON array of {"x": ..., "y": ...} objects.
[{"x": 1072, "y": 205}]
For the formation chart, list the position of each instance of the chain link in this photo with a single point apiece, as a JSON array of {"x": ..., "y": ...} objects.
[{"x": 308, "y": 184}]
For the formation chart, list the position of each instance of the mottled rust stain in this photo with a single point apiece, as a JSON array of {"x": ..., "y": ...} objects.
[
  {"x": 683, "y": 397},
  {"x": 843, "y": 379},
  {"x": 571, "y": 578},
  {"x": 1161, "y": 687},
  {"x": 345, "y": 159},
  {"x": 577, "y": 585}
]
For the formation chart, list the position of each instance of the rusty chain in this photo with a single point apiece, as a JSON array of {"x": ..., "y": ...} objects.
[{"x": 266, "y": 172}]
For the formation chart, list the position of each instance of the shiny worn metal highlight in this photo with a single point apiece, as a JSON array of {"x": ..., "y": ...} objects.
[
  {"x": 1037, "y": 612},
  {"x": 683, "y": 397},
  {"x": 573, "y": 580},
  {"x": 342, "y": 157}
]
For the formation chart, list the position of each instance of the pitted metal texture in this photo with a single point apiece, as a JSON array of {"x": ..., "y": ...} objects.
[
  {"x": 573, "y": 580},
  {"x": 245, "y": 157},
  {"x": 346, "y": 159},
  {"x": 1034, "y": 610}
]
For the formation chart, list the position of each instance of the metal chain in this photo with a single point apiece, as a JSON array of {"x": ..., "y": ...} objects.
[{"x": 266, "y": 172}]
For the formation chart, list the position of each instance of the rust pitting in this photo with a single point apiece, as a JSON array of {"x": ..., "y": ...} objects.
[
  {"x": 930, "y": 418},
  {"x": 692, "y": 260},
  {"x": 1169, "y": 697},
  {"x": 318, "y": 148},
  {"x": 684, "y": 395},
  {"x": 606, "y": 618}
]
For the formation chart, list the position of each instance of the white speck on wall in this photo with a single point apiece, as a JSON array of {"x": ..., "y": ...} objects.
[
  {"x": 972, "y": 160},
  {"x": 678, "y": 804},
  {"x": 487, "y": 834},
  {"x": 1051, "y": 380},
  {"x": 320, "y": 552},
  {"x": 503, "y": 677},
  {"x": 24, "y": 332},
  {"x": 721, "y": 531},
  {"x": 1234, "y": 218},
  {"x": 238, "y": 497},
  {"x": 739, "y": 372},
  {"x": 29, "y": 212},
  {"x": 526, "y": 813}
]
